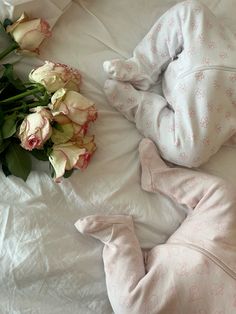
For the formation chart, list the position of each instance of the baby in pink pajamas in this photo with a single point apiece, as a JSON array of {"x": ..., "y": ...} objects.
[{"x": 194, "y": 272}]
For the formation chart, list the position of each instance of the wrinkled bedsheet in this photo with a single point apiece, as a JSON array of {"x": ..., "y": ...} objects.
[{"x": 46, "y": 266}]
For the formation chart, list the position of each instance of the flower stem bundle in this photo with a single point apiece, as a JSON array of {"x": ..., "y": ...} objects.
[{"x": 46, "y": 117}]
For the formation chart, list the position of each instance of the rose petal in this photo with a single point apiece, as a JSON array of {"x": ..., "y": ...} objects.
[
  {"x": 61, "y": 152},
  {"x": 63, "y": 135},
  {"x": 58, "y": 161}
]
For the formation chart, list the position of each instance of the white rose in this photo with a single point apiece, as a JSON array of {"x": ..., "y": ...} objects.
[
  {"x": 35, "y": 129},
  {"x": 29, "y": 33},
  {"x": 55, "y": 76},
  {"x": 71, "y": 155}
]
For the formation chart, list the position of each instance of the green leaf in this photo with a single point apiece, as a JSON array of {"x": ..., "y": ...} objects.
[
  {"x": 52, "y": 171},
  {"x": 5, "y": 170},
  {"x": 18, "y": 161},
  {"x": 9, "y": 126},
  {"x": 40, "y": 154},
  {"x": 2, "y": 29},
  {"x": 1, "y": 71},
  {"x": 3, "y": 145},
  {"x": 68, "y": 173},
  {"x": 1, "y": 116},
  {"x": 7, "y": 22},
  {"x": 12, "y": 78},
  {"x": 62, "y": 133},
  {"x": 3, "y": 85},
  {"x": 58, "y": 127}
]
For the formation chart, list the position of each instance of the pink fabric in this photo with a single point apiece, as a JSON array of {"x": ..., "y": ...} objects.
[{"x": 195, "y": 270}]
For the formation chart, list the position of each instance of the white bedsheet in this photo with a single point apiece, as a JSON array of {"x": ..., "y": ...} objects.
[{"x": 46, "y": 266}]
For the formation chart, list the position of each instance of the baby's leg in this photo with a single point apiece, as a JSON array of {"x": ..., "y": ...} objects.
[
  {"x": 184, "y": 186},
  {"x": 172, "y": 33},
  {"x": 200, "y": 119},
  {"x": 131, "y": 288},
  {"x": 122, "y": 256},
  {"x": 142, "y": 108},
  {"x": 172, "y": 131},
  {"x": 212, "y": 199}
]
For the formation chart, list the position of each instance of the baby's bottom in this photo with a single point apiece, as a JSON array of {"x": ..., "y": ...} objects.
[
  {"x": 189, "y": 132},
  {"x": 177, "y": 278}
]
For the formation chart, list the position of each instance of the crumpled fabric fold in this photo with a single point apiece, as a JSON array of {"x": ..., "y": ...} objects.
[{"x": 51, "y": 10}]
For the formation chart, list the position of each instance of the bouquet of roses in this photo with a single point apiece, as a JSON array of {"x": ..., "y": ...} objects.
[{"x": 45, "y": 116}]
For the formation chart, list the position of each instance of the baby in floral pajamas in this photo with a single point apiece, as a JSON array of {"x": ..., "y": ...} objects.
[
  {"x": 194, "y": 272},
  {"x": 196, "y": 56}
]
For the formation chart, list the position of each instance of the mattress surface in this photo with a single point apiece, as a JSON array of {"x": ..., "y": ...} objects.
[{"x": 46, "y": 265}]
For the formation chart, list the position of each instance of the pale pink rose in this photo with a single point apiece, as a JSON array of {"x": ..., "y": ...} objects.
[
  {"x": 55, "y": 76},
  {"x": 73, "y": 105},
  {"x": 29, "y": 33},
  {"x": 35, "y": 129},
  {"x": 70, "y": 155}
]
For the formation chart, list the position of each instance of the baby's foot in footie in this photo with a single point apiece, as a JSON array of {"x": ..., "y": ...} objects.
[
  {"x": 128, "y": 71},
  {"x": 121, "y": 70},
  {"x": 101, "y": 226},
  {"x": 123, "y": 96}
]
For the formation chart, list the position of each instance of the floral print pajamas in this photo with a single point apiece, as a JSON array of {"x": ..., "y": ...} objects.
[{"x": 195, "y": 56}]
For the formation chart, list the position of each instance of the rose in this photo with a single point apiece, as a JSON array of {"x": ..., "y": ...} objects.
[
  {"x": 55, "y": 76},
  {"x": 29, "y": 33},
  {"x": 71, "y": 155},
  {"x": 73, "y": 105},
  {"x": 35, "y": 129}
]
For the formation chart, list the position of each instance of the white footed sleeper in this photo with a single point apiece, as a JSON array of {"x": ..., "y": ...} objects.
[{"x": 195, "y": 57}]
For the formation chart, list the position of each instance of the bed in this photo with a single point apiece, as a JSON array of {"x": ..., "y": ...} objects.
[{"x": 47, "y": 267}]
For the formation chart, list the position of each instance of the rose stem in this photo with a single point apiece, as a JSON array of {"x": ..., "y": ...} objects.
[{"x": 22, "y": 95}]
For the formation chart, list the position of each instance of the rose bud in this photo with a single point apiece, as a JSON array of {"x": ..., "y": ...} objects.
[
  {"x": 73, "y": 105},
  {"x": 55, "y": 76},
  {"x": 67, "y": 156},
  {"x": 35, "y": 129},
  {"x": 29, "y": 33}
]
